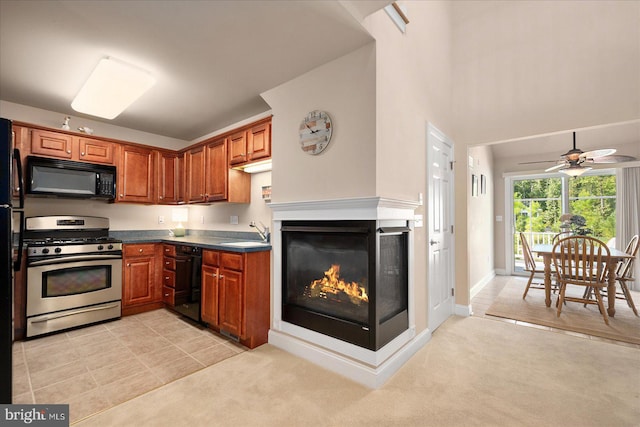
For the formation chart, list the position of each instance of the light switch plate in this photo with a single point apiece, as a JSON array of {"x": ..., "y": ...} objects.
[
  {"x": 417, "y": 221},
  {"x": 233, "y": 220},
  {"x": 160, "y": 219}
]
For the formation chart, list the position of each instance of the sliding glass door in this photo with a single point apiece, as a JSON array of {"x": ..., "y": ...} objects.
[{"x": 538, "y": 204}]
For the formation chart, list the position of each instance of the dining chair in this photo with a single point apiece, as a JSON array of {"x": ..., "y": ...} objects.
[
  {"x": 581, "y": 261},
  {"x": 624, "y": 274},
  {"x": 561, "y": 235},
  {"x": 530, "y": 266}
]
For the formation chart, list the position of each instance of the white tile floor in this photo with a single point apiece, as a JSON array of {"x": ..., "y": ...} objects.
[{"x": 97, "y": 367}]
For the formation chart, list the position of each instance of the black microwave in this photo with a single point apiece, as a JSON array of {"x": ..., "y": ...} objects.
[{"x": 64, "y": 178}]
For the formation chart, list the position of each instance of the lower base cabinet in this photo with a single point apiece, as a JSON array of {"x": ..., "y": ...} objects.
[
  {"x": 141, "y": 287},
  {"x": 235, "y": 295}
]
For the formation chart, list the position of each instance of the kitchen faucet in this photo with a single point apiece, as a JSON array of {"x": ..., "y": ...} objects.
[{"x": 264, "y": 233}]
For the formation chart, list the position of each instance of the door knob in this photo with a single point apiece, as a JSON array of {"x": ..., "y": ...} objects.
[{"x": 433, "y": 242}]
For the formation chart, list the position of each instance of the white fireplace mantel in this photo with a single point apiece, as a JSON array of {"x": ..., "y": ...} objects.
[{"x": 371, "y": 368}]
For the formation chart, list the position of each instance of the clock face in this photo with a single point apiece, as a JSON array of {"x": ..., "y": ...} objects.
[{"x": 315, "y": 132}]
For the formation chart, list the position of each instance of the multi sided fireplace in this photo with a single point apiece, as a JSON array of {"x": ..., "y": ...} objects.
[{"x": 346, "y": 279}]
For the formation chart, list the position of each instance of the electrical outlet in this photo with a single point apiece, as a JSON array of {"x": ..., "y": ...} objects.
[
  {"x": 161, "y": 219},
  {"x": 233, "y": 220}
]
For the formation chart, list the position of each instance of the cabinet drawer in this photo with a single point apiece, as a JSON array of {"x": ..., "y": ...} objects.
[
  {"x": 231, "y": 261},
  {"x": 169, "y": 263},
  {"x": 169, "y": 250},
  {"x": 138, "y": 250},
  {"x": 168, "y": 295},
  {"x": 211, "y": 258},
  {"x": 169, "y": 278}
]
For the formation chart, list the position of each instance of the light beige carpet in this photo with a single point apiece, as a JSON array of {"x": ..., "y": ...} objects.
[
  {"x": 473, "y": 372},
  {"x": 625, "y": 326}
]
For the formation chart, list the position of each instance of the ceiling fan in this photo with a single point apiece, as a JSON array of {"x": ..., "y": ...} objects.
[{"x": 572, "y": 162}]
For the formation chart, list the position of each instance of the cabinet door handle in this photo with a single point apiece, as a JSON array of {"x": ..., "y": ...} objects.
[
  {"x": 166, "y": 295},
  {"x": 82, "y": 154},
  {"x": 166, "y": 277},
  {"x": 166, "y": 263},
  {"x": 140, "y": 250},
  {"x": 128, "y": 265},
  {"x": 68, "y": 151},
  {"x": 221, "y": 276}
]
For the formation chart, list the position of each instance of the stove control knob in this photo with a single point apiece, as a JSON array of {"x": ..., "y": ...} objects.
[
  {"x": 110, "y": 247},
  {"x": 100, "y": 247},
  {"x": 58, "y": 250},
  {"x": 45, "y": 251}
]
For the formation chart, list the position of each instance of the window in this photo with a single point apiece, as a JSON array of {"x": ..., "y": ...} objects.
[{"x": 539, "y": 202}]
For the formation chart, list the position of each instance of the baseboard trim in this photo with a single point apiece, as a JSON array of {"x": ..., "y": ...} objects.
[
  {"x": 463, "y": 310},
  {"x": 481, "y": 284}
]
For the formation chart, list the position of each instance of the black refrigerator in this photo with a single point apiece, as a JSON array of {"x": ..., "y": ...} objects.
[{"x": 11, "y": 227}]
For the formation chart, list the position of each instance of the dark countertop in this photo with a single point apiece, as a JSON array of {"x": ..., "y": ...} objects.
[{"x": 220, "y": 243}]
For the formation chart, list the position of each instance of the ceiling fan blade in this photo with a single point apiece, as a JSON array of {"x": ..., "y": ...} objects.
[
  {"x": 597, "y": 153},
  {"x": 556, "y": 167},
  {"x": 618, "y": 158}
]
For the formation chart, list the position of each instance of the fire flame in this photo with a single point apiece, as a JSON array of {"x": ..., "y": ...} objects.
[{"x": 331, "y": 283}]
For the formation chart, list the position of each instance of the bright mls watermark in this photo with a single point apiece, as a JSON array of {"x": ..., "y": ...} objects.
[{"x": 36, "y": 415}]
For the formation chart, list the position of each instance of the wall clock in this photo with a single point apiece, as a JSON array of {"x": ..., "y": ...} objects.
[{"x": 315, "y": 132}]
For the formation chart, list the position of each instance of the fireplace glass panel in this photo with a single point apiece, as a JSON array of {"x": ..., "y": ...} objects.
[
  {"x": 328, "y": 273},
  {"x": 392, "y": 283}
]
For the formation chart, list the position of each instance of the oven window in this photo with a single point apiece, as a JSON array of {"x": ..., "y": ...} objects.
[{"x": 77, "y": 280}]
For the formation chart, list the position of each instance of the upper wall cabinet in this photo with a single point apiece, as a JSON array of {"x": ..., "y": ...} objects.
[
  {"x": 66, "y": 146},
  {"x": 136, "y": 175},
  {"x": 209, "y": 178},
  {"x": 169, "y": 171},
  {"x": 250, "y": 145}
]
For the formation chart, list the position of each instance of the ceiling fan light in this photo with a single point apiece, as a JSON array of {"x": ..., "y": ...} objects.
[
  {"x": 111, "y": 88},
  {"x": 575, "y": 170}
]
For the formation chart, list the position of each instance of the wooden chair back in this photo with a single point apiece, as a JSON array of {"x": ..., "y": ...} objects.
[
  {"x": 529, "y": 262},
  {"x": 625, "y": 267},
  {"x": 561, "y": 235},
  {"x": 581, "y": 260}
]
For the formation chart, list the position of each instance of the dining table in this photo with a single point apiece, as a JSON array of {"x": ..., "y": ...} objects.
[{"x": 615, "y": 256}]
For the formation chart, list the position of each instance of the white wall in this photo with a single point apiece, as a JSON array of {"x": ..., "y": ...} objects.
[
  {"x": 413, "y": 88},
  {"x": 481, "y": 217},
  {"x": 345, "y": 89}
]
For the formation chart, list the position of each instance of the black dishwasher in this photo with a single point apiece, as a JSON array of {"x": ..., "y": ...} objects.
[{"x": 188, "y": 281}]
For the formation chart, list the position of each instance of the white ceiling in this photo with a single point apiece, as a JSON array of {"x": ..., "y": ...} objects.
[{"x": 211, "y": 59}]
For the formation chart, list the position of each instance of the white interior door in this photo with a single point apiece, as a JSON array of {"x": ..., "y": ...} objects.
[{"x": 440, "y": 226}]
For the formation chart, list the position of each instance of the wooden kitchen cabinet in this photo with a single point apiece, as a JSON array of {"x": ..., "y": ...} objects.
[
  {"x": 195, "y": 174},
  {"x": 168, "y": 173},
  {"x": 96, "y": 151},
  {"x": 209, "y": 178},
  {"x": 136, "y": 175},
  {"x": 176, "y": 276},
  {"x": 235, "y": 294},
  {"x": 250, "y": 145},
  {"x": 209, "y": 295},
  {"x": 70, "y": 147},
  {"x": 52, "y": 144},
  {"x": 141, "y": 287}
]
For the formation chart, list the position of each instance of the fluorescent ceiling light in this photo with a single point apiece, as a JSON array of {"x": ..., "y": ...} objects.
[
  {"x": 575, "y": 170},
  {"x": 111, "y": 87}
]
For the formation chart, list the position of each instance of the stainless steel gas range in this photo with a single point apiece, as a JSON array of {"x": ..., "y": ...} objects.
[{"x": 74, "y": 273}]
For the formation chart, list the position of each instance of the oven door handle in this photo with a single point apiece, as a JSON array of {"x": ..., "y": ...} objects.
[
  {"x": 73, "y": 313},
  {"x": 73, "y": 258}
]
